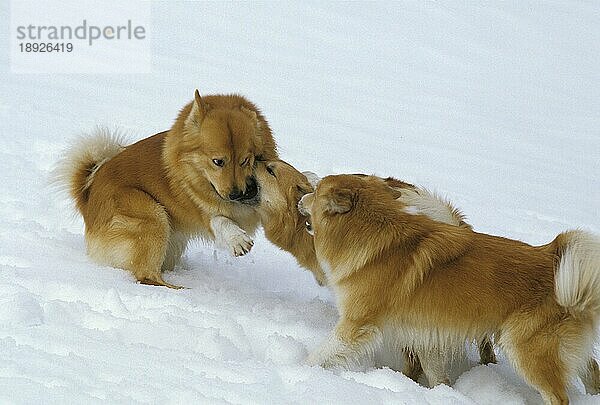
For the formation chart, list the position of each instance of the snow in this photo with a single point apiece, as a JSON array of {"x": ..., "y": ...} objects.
[{"x": 494, "y": 106}]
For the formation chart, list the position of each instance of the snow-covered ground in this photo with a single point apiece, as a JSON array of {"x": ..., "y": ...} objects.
[{"x": 495, "y": 106}]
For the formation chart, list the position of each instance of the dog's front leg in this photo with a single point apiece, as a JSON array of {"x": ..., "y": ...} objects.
[
  {"x": 229, "y": 236},
  {"x": 350, "y": 346},
  {"x": 433, "y": 362},
  {"x": 412, "y": 365}
]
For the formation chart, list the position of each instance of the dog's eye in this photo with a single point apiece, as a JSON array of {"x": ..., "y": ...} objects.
[
  {"x": 270, "y": 171},
  {"x": 219, "y": 162}
]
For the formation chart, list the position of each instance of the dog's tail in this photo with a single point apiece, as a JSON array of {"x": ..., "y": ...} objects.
[
  {"x": 577, "y": 275},
  {"x": 75, "y": 171}
]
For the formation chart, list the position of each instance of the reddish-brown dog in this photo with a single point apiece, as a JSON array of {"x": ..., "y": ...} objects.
[
  {"x": 282, "y": 187},
  {"x": 398, "y": 275},
  {"x": 142, "y": 203}
]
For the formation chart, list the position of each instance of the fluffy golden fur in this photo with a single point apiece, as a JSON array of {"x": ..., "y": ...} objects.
[
  {"x": 400, "y": 276},
  {"x": 282, "y": 187},
  {"x": 142, "y": 203}
]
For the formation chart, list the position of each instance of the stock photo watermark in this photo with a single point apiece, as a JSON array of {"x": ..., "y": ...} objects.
[{"x": 80, "y": 37}]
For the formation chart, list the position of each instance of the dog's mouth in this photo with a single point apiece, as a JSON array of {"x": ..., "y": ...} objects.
[
  {"x": 252, "y": 194},
  {"x": 250, "y": 197},
  {"x": 303, "y": 211}
]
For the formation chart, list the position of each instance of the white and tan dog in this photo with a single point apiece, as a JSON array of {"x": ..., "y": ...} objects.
[{"x": 400, "y": 276}]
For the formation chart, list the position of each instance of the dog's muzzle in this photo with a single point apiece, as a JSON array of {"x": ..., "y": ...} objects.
[{"x": 301, "y": 207}]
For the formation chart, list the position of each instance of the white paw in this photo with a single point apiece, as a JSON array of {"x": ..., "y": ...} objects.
[
  {"x": 239, "y": 244},
  {"x": 231, "y": 237}
]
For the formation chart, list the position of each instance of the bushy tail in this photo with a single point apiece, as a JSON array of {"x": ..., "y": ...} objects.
[
  {"x": 577, "y": 276},
  {"x": 75, "y": 171}
]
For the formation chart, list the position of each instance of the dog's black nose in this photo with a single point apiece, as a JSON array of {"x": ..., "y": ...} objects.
[{"x": 235, "y": 194}]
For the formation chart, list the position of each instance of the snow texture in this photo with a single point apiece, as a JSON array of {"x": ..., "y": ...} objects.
[{"x": 494, "y": 106}]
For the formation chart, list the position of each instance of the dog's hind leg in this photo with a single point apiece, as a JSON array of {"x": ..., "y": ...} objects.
[
  {"x": 590, "y": 377},
  {"x": 544, "y": 371},
  {"x": 176, "y": 246},
  {"x": 536, "y": 355},
  {"x": 135, "y": 238},
  {"x": 150, "y": 243}
]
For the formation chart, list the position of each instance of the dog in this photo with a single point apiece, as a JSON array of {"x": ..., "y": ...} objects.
[
  {"x": 282, "y": 186},
  {"x": 399, "y": 275},
  {"x": 142, "y": 203}
]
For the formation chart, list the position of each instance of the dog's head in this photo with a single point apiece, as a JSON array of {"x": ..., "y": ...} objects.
[
  {"x": 340, "y": 198},
  {"x": 224, "y": 143},
  {"x": 333, "y": 196},
  {"x": 282, "y": 187},
  {"x": 350, "y": 220}
]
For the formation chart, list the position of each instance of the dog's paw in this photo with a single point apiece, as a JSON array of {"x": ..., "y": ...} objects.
[
  {"x": 317, "y": 359},
  {"x": 239, "y": 244},
  {"x": 230, "y": 237}
]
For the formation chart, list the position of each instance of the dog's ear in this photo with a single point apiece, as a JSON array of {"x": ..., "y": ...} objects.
[
  {"x": 199, "y": 109},
  {"x": 340, "y": 201},
  {"x": 252, "y": 115}
]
